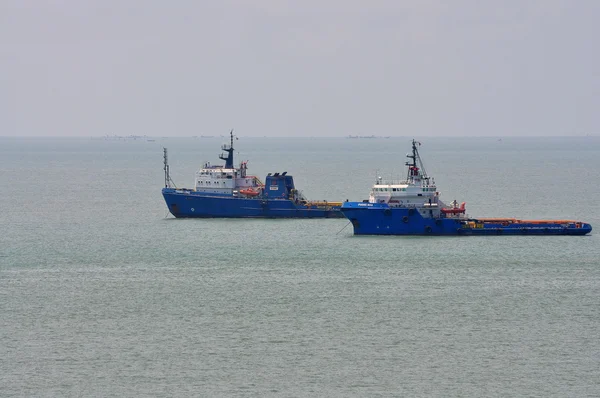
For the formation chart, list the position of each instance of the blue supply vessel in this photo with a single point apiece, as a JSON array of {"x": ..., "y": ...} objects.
[
  {"x": 413, "y": 207},
  {"x": 228, "y": 191}
]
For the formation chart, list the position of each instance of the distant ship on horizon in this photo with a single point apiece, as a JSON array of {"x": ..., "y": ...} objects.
[{"x": 366, "y": 136}]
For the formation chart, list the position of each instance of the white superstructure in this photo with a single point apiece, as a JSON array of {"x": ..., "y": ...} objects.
[
  {"x": 227, "y": 179},
  {"x": 221, "y": 180},
  {"x": 417, "y": 191}
]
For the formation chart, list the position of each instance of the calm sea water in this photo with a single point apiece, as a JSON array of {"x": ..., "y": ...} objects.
[{"x": 102, "y": 295}]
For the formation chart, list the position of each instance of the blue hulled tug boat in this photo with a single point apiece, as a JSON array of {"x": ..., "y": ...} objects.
[
  {"x": 229, "y": 191},
  {"x": 413, "y": 207}
]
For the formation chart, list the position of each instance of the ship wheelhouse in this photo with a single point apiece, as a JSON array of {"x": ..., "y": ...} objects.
[
  {"x": 404, "y": 194},
  {"x": 417, "y": 191},
  {"x": 215, "y": 179},
  {"x": 225, "y": 179}
]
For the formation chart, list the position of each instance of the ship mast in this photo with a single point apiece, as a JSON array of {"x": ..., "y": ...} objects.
[
  {"x": 412, "y": 165},
  {"x": 229, "y": 149},
  {"x": 415, "y": 167},
  {"x": 168, "y": 180},
  {"x": 166, "y": 167}
]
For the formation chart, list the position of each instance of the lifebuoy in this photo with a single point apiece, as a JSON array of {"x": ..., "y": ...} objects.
[
  {"x": 405, "y": 219},
  {"x": 387, "y": 212},
  {"x": 428, "y": 229}
]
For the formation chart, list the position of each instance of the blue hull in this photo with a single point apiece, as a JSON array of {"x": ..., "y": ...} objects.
[
  {"x": 380, "y": 219},
  {"x": 190, "y": 204}
]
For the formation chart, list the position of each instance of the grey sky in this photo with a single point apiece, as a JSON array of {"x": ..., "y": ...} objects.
[{"x": 299, "y": 68}]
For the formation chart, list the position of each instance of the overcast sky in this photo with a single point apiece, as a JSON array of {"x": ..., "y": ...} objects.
[{"x": 299, "y": 68}]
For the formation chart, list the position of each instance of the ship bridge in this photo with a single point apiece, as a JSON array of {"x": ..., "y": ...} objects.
[
  {"x": 403, "y": 194},
  {"x": 225, "y": 179},
  {"x": 417, "y": 190}
]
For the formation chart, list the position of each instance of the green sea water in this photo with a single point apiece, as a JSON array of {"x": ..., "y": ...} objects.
[{"x": 104, "y": 294}]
